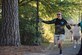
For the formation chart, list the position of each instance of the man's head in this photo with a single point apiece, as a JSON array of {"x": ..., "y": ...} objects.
[{"x": 59, "y": 15}]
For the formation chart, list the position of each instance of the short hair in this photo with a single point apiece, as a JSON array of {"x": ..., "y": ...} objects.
[{"x": 59, "y": 13}]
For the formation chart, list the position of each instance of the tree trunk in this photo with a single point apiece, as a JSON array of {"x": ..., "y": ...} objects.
[{"x": 10, "y": 27}]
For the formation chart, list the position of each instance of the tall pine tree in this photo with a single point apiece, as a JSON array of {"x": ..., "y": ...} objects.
[{"x": 10, "y": 26}]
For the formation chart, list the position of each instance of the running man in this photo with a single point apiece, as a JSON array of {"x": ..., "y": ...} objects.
[{"x": 60, "y": 24}]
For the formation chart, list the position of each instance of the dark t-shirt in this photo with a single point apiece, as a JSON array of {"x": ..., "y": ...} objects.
[{"x": 59, "y": 25}]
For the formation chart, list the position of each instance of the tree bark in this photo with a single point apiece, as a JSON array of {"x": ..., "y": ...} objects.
[{"x": 10, "y": 27}]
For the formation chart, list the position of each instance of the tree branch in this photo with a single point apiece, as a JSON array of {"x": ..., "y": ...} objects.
[{"x": 24, "y": 2}]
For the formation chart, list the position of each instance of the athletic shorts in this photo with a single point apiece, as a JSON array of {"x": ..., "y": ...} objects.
[
  {"x": 59, "y": 37},
  {"x": 76, "y": 37}
]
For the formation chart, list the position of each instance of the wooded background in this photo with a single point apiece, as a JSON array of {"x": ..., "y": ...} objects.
[{"x": 18, "y": 19}]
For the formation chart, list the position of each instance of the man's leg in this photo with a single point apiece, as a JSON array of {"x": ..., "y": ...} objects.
[
  {"x": 61, "y": 39},
  {"x": 58, "y": 40},
  {"x": 60, "y": 45},
  {"x": 74, "y": 43},
  {"x": 55, "y": 40},
  {"x": 78, "y": 40},
  {"x": 71, "y": 37}
]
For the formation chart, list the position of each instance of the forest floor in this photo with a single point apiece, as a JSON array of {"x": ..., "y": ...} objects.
[
  {"x": 12, "y": 50},
  {"x": 39, "y": 50}
]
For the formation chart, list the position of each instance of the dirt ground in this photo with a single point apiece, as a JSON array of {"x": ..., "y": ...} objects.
[
  {"x": 39, "y": 50},
  {"x": 12, "y": 50}
]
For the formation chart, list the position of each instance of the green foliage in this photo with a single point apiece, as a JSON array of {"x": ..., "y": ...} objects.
[
  {"x": 27, "y": 16},
  {"x": 47, "y": 11},
  {"x": 27, "y": 31}
]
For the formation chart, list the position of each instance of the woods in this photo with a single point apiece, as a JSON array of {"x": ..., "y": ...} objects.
[{"x": 19, "y": 19}]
